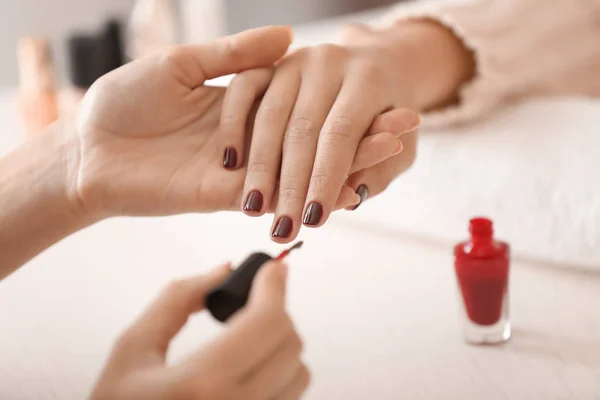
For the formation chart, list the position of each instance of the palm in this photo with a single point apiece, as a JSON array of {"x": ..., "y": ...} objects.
[{"x": 159, "y": 158}]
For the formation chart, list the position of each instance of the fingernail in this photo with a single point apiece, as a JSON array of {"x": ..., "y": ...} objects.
[
  {"x": 283, "y": 228},
  {"x": 363, "y": 192},
  {"x": 313, "y": 214},
  {"x": 413, "y": 124},
  {"x": 254, "y": 202},
  {"x": 230, "y": 158}
]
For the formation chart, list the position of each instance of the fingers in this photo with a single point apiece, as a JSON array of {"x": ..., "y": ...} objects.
[
  {"x": 240, "y": 97},
  {"x": 300, "y": 146},
  {"x": 155, "y": 328},
  {"x": 347, "y": 198},
  {"x": 346, "y": 124},
  {"x": 254, "y": 48},
  {"x": 399, "y": 121},
  {"x": 264, "y": 159},
  {"x": 256, "y": 331},
  {"x": 374, "y": 180},
  {"x": 297, "y": 387},
  {"x": 382, "y": 141},
  {"x": 375, "y": 149}
]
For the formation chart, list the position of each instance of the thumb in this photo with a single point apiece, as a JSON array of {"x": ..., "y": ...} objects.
[
  {"x": 254, "y": 48},
  {"x": 269, "y": 287},
  {"x": 158, "y": 325}
]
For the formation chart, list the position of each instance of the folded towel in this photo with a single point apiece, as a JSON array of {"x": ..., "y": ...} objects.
[{"x": 534, "y": 168}]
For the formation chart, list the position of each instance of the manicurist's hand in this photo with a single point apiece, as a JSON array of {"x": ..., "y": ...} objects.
[
  {"x": 148, "y": 131},
  {"x": 257, "y": 357}
]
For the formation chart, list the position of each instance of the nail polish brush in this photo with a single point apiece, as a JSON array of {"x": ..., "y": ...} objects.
[{"x": 232, "y": 295}]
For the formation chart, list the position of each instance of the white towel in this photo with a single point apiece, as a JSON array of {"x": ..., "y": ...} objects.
[{"x": 534, "y": 168}]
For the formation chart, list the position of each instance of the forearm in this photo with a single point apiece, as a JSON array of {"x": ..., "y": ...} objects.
[{"x": 36, "y": 209}]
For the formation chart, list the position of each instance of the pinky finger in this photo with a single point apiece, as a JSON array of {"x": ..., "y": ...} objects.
[
  {"x": 296, "y": 389},
  {"x": 374, "y": 180},
  {"x": 240, "y": 97}
]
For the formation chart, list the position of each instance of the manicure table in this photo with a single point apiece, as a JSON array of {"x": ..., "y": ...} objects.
[{"x": 372, "y": 293}]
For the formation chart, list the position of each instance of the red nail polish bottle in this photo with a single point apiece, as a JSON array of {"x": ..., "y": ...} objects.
[{"x": 482, "y": 269}]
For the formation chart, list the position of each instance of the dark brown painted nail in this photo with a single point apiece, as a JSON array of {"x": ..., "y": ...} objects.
[
  {"x": 230, "y": 158},
  {"x": 313, "y": 214},
  {"x": 283, "y": 228},
  {"x": 363, "y": 192},
  {"x": 254, "y": 202}
]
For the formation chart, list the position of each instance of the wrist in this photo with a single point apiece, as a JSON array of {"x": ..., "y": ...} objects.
[
  {"x": 37, "y": 209},
  {"x": 429, "y": 64},
  {"x": 52, "y": 160}
]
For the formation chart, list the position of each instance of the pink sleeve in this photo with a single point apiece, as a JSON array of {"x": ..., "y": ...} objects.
[{"x": 523, "y": 48}]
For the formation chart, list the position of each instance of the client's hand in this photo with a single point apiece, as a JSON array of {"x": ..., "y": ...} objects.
[
  {"x": 315, "y": 109},
  {"x": 257, "y": 357},
  {"x": 148, "y": 131}
]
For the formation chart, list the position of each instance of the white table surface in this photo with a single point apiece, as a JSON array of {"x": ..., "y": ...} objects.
[{"x": 377, "y": 310}]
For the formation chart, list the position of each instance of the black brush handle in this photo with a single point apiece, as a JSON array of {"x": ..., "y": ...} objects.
[{"x": 232, "y": 295}]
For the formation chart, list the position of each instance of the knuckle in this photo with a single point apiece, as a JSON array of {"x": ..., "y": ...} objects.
[
  {"x": 241, "y": 83},
  {"x": 301, "y": 130},
  {"x": 232, "y": 118},
  {"x": 231, "y": 52},
  {"x": 328, "y": 52},
  {"x": 338, "y": 129},
  {"x": 320, "y": 181},
  {"x": 290, "y": 193},
  {"x": 270, "y": 110},
  {"x": 370, "y": 69},
  {"x": 258, "y": 164}
]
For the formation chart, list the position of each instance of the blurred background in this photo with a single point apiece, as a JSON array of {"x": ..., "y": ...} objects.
[{"x": 58, "y": 20}]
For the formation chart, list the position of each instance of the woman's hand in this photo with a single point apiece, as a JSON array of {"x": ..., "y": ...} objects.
[
  {"x": 309, "y": 128},
  {"x": 257, "y": 357},
  {"x": 148, "y": 131}
]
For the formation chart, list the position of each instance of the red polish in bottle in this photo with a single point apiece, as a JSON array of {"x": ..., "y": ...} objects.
[{"x": 482, "y": 269}]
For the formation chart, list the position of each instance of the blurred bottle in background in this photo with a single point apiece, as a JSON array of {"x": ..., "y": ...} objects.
[
  {"x": 90, "y": 57},
  {"x": 37, "y": 94}
]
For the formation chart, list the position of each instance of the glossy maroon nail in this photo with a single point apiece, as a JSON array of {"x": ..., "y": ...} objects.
[
  {"x": 283, "y": 228},
  {"x": 313, "y": 214},
  {"x": 363, "y": 192},
  {"x": 230, "y": 158},
  {"x": 254, "y": 202}
]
